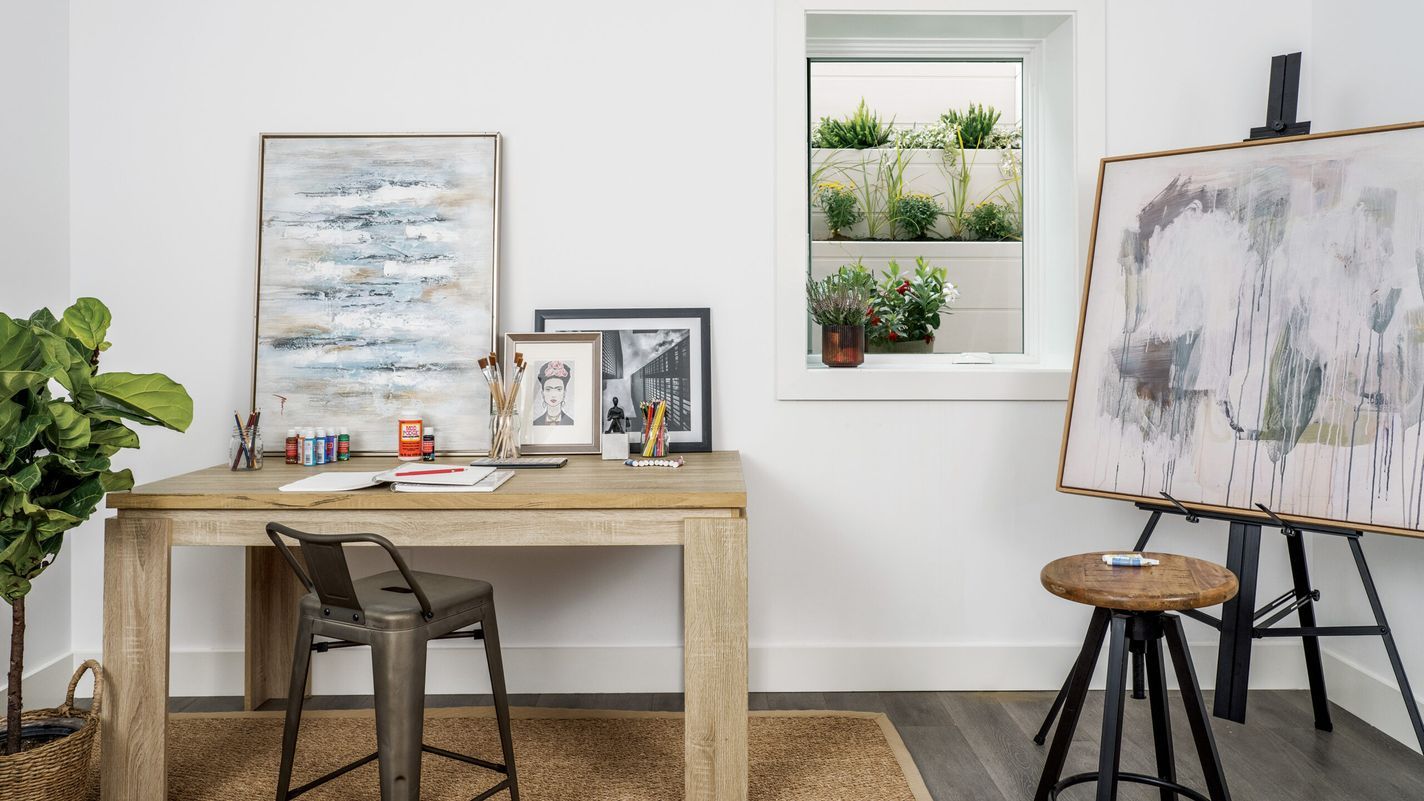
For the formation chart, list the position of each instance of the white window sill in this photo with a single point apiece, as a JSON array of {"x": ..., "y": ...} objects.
[{"x": 923, "y": 377}]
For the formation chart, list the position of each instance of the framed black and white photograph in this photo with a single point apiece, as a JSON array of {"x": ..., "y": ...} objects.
[
  {"x": 652, "y": 355},
  {"x": 559, "y": 392}
]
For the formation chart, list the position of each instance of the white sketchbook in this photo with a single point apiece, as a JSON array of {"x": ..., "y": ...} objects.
[
  {"x": 424, "y": 474},
  {"x": 489, "y": 483}
]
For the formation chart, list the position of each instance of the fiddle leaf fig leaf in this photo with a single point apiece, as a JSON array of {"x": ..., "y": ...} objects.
[
  {"x": 13, "y": 382},
  {"x": 83, "y": 499},
  {"x": 24, "y": 480},
  {"x": 69, "y": 429},
  {"x": 117, "y": 480},
  {"x": 148, "y": 398},
  {"x": 87, "y": 321},
  {"x": 10, "y": 412},
  {"x": 113, "y": 434},
  {"x": 44, "y": 319}
]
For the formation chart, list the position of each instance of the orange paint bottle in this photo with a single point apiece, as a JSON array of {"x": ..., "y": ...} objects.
[{"x": 410, "y": 431}]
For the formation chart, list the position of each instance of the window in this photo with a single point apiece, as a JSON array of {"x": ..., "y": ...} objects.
[
  {"x": 912, "y": 61},
  {"x": 919, "y": 163}
]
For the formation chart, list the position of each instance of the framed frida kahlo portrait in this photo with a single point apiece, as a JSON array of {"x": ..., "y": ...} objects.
[
  {"x": 558, "y": 393},
  {"x": 651, "y": 355},
  {"x": 1253, "y": 332},
  {"x": 377, "y": 284}
]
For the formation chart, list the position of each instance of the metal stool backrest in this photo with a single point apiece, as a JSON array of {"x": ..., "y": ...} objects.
[{"x": 330, "y": 576}]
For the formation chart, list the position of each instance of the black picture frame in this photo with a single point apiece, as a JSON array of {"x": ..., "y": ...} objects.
[{"x": 678, "y": 442}]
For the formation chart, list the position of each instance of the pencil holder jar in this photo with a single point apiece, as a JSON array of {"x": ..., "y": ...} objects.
[
  {"x": 505, "y": 432},
  {"x": 244, "y": 448}
]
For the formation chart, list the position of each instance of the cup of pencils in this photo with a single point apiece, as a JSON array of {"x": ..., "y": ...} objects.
[
  {"x": 505, "y": 431},
  {"x": 244, "y": 450}
]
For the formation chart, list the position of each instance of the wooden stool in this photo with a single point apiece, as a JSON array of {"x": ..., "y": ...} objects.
[{"x": 1133, "y": 602}]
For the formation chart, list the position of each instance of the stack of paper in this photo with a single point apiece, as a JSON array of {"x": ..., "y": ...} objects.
[
  {"x": 489, "y": 483},
  {"x": 458, "y": 477}
]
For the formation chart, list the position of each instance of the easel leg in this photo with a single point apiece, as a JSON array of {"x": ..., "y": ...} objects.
[
  {"x": 1300, "y": 573},
  {"x": 1388, "y": 636},
  {"x": 1233, "y": 664}
]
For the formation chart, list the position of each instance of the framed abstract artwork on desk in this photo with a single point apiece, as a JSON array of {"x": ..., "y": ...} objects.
[
  {"x": 652, "y": 355},
  {"x": 1253, "y": 331},
  {"x": 377, "y": 284}
]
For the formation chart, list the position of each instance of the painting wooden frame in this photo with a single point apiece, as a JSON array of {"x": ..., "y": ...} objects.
[
  {"x": 1352, "y": 182},
  {"x": 620, "y": 327},
  {"x": 572, "y": 359},
  {"x": 377, "y": 284}
]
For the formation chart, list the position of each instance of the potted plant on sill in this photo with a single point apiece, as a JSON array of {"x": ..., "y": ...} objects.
[
  {"x": 904, "y": 309},
  {"x": 839, "y": 306},
  {"x": 54, "y": 471}
]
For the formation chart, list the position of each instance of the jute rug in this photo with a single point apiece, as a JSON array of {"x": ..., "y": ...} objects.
[{"x": 562, "y": 755}]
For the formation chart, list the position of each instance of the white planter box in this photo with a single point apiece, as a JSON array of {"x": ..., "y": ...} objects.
[
  {"x": 989, "y": 275},
  {"x": 927, "y": 171}
]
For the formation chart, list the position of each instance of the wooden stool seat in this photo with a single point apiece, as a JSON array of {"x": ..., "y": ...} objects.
[{"x": 1178, "y": 583}]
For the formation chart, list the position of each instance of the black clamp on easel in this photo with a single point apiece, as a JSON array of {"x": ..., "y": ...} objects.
[{"x": 1281, "y": 101}]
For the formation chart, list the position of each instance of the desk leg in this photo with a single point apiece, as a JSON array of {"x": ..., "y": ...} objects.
[
  {"x": 714, "y": 575},
  {"x": 273, "y": 592},
  {"x": 135, "y": 712}
]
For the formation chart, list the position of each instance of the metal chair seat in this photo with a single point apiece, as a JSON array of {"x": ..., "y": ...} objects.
[{"x": 388, "y": 604}]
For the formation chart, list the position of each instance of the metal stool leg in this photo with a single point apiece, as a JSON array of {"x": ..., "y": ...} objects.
[
  {"x": 296, "y": 693},
  {"x": 1047, "y": 726},
  {"x": 1076, "y": 692},
  {"x": 501, "y": 699},
  {"x": 398, "y": 666},
  {"x": 1161, "y": 717},
  {"x": 1110, "y": 749},
  {"x": 1196, "y": 709}
]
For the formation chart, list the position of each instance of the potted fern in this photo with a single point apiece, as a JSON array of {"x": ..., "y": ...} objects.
[{"x": 61, "y": 421}]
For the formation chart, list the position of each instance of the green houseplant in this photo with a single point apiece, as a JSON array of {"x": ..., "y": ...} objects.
[
  {"x": 839, "y": 303},
  {"x": 838, "y": 202},
  {"x": 61, "y": 421},
  {"x": 859, "y": 131},
  {"x": 905, "y": 309}
]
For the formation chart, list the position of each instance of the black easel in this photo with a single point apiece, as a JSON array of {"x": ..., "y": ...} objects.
[{"x": 1238, "y": 623}]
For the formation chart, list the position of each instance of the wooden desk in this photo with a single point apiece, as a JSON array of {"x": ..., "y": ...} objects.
[{"x": 701, "y": 507}]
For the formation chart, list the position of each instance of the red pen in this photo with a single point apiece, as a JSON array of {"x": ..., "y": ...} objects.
[{"x": 430, "y": 472}]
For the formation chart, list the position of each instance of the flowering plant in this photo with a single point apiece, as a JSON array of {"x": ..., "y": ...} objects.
[
  {"x": 837, "y": 201},
  {"x": 902, "y": 307},
  {"x": 915, "y": 213}
]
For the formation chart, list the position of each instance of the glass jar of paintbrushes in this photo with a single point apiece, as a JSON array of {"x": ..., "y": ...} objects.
[
  {"x": 506, "y": 432},
  {"x": 244, "y": 448}
]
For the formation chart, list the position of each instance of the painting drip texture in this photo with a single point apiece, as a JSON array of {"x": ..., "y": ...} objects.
[
  {"x": 1254, "y": 331},
  {"x": 377, "y": 285}
]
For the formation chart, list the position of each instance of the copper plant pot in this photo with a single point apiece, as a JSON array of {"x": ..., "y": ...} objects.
[{"x": 842, "y": 345}]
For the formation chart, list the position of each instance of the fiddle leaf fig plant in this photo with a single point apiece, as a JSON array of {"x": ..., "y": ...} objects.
[{"x": 61, "y": 421}]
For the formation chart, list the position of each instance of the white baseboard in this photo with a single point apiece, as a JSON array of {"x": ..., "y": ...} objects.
[
  {"x": 1368, "y": 695},
  {"x": 45, "y": 685},
  {"x": 460, "y": 668}
]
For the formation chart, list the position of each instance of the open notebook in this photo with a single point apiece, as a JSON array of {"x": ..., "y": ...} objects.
[{"x": 424, "y": 474}]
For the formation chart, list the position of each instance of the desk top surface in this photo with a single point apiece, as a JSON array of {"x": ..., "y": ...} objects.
[{"x": 707, "y": 481}]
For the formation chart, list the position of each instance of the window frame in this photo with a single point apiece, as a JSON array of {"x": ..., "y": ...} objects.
[{"x": 1051, "y": 279}]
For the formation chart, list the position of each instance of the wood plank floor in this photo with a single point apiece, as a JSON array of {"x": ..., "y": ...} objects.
[{"x": 975, "y": 746}]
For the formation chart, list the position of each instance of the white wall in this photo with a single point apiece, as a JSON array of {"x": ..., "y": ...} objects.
[
  {"x": 1351, "y": 50},
  {"x": 34, "y": 270},
  {"x": 893, "y": 545},
  {"x": 913, "y": 94}
]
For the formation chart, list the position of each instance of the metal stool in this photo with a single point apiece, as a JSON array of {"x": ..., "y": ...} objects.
[
  {"x": 395, "y": 613},
  {"x": 1133, "y": 603}
]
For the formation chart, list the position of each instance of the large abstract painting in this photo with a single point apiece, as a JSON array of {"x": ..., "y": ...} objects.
[
  {"x": 377, "y": 284},
  {"x": 1253, "y": 331}
]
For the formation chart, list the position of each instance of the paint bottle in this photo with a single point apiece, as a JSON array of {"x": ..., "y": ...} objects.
[
  {"x": 330, "y": 445},
  {"x": 427, "y": 446},
  {"x": 410, "y": 433},
  {"x": 308, "y": 448},
  {"x": 343, "y": 447},
  {"x": 319, "y": 446},
  {"x": 294, "y": 455}
]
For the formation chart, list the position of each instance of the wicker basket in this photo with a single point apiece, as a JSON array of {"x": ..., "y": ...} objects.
[{"x": 60, "y": 769}]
